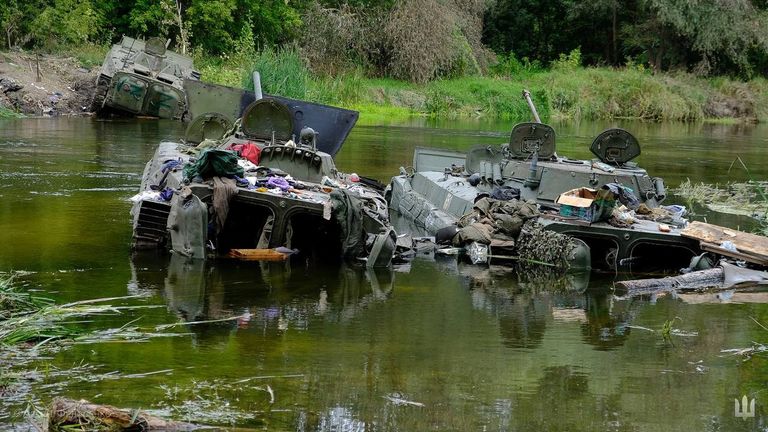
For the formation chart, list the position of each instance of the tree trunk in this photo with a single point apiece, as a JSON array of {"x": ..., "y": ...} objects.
[
  {"x": 710, "y": 278},
  {"x": 89, "y": 416},
  {"x": 615, "y": 53},
  {"x": 182, "y": 30}
]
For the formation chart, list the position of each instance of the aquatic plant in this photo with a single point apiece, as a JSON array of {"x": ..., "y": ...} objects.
[{"x": 741, "y": 198}]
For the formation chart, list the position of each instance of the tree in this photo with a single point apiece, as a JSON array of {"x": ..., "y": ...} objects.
[
  {"x": 274, "y": 22},
  {"x": 152, "y": 17},
  {"x": 10, "y": 18},
  {"x": 66, "y": 22},
  {"x": 537, "y": 29},
  {"x": 717, "y": 30},
  {"x": 212, "y": 24}
]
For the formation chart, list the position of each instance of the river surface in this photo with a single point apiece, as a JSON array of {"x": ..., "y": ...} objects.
[{"x": 438, "y": 346}]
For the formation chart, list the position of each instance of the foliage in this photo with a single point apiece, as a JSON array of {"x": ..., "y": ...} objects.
[
  {"x": 89, "y": 55},
  {"x": 448, "y": 46},
  {"x": 569, "y": 61},
  {"x": 481, "y": 97},
  {"x": 510, "y": 67},
  {"x": 65, "y": 22},
  {"x": 282, "y": 72},
  {"x": 346, "y": 90},
  {"x": 211, "y": 23},
  {"x": 10, "y": 20},
  {"x": 719, "y": 31},
  {"x": 535, "y": 29},
  {"x": 6, "y": 113},
  {"x": 715, "y": 36},
  {"x": 420, "y": 40},
  {"x": 564, "y": 92},
  {"x": 332, "y": 38}
]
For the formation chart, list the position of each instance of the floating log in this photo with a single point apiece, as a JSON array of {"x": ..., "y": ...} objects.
[
  {"x": 722, "y": 277},
  {"x": 710, "y": 278},
  {"x": 90, "y": 416}
]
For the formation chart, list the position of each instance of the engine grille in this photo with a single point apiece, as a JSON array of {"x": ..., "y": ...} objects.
[{"x": 151, "y": 231}]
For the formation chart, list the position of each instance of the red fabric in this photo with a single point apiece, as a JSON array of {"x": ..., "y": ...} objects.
[{"x": 250, "y": 151}]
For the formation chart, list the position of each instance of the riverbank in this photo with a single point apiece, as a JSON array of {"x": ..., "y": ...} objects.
[
  {"x": 563, "y": 92},
  {"x": 48, "y": 85}
]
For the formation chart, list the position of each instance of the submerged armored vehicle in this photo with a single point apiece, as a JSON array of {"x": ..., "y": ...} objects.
[
  {"x": 255, "y": 190},
  {"x": 444, "y": 186},
  {"x": 143, "y": 78}
]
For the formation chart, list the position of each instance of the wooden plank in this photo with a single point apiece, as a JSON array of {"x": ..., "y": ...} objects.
[
  {"x": 746, "y": 243},
  {"x": 754, "y": 259},
  {"x": 257, "y": 255}
]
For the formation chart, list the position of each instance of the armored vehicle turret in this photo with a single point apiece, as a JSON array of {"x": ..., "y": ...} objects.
[{"x": 143, "y": 78}]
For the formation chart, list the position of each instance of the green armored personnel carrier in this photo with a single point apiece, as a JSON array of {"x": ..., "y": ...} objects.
[
  {"x": 261, "y": 186},
  {"x": 143, "y": 78},
  {"x": 572, "y": 196}
]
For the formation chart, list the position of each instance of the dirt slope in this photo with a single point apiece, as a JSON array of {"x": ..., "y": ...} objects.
[{"x": 64, "y": 88}]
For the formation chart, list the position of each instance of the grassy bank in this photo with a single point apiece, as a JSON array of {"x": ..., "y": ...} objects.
[
  {"x": 564, "y": 92},
  {"x": 7, "y": 113}
]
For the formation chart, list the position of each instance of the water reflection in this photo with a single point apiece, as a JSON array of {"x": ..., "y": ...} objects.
[
  {"x": 267, "y": 295},
  {"x": 525, "y": 301}
]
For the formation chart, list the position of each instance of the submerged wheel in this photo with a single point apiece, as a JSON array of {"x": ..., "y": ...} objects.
[{"x": 102, "y": 87}]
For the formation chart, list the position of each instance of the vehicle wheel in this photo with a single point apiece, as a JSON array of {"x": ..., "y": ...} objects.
[{"x": 97, "y": 103}]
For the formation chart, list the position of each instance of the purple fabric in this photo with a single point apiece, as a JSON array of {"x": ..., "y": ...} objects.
[
  {"x": 278, "y": 182},
  {"x": 166, "y": 194}
]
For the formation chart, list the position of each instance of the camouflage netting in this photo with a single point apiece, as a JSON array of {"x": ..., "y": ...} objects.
[
  {"x": 511, "y": 226},
  {"x": 537, "y": 244}
]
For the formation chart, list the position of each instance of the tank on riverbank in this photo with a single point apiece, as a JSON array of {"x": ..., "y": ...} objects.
[
  {"x": 143, "y": 78},
  {"x": 610, "y": 203}
]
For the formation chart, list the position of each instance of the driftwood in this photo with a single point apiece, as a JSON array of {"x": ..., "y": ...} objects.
[
  {"x": 710, "y": 278},
  {"x": 724, "y": 276},
  {"x": 94, "y": 417}
]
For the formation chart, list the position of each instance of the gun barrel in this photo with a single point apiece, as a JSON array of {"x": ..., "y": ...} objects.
[{"x": 527, "y": 96}]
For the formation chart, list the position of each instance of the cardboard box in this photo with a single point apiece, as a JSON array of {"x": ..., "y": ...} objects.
[{"x": 588, "y": 204}]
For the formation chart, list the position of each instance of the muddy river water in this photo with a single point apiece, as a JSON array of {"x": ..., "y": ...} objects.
[{"x": 443, "y": 346}]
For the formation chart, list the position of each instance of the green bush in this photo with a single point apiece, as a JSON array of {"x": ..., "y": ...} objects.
[{"x": 569, "y": 61}]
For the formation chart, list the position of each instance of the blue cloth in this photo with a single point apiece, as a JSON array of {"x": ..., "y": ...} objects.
[
  {"x": 166, "y": 194},
  {"x": 170, "y": 165}
]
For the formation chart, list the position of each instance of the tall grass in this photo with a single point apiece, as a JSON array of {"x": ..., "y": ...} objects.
[
  {"x": 7, "y": 113},
  {"x": 89, "y": 55},
  {"x": 606, "y": 93},
  {"x": 565, "y": 90},
  {"x": 480, "y": 96},
  {"x": 282, "y": 72}
]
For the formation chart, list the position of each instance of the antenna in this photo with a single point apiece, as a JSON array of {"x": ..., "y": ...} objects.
[{"x": 125, "y": 59}]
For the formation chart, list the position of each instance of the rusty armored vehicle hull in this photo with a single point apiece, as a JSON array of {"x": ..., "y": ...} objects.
[
  {"x": 143, "y": 78},
  {"x": 255, "y": 190},
  {"x": 445, "y": 186}
]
